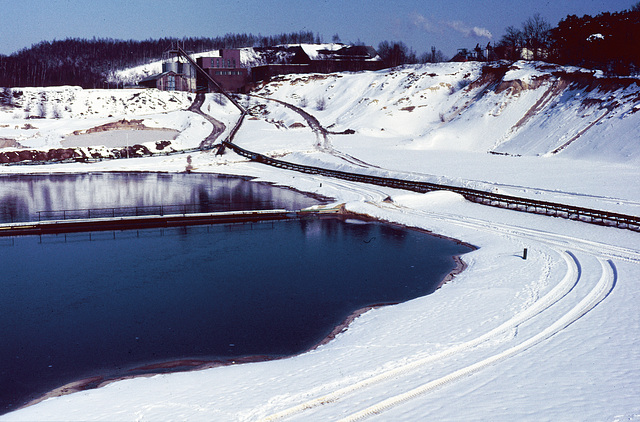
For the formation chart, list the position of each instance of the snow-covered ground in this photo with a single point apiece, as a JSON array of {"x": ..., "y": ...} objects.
[
  {"x": 41, "y": 118},
  {"x": 553, "y": 337}
]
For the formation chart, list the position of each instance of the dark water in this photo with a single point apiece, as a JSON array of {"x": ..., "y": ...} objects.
[
  {"x": 22, "y": 196},
  {"x": 71, "y": 308},
  {"x": 100, "y": 304}
]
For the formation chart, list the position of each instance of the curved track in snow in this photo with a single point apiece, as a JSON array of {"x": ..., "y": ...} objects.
[
  {"x": 322, "y": 133},
  {"x": 574, "y": 296},
  {"x": 597, "y": 294},
  {"x": 579, "y": 257},
  {"x": 560, "y": 292}
]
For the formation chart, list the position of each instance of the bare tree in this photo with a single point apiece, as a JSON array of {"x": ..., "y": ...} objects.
[
  {"x": 536, "y": 32},
  {"x": 396, "y": 53},
  {"x": 434, "y": 56},
  {"x": 512, "y": 42},
  {"x": 321, "y": 103}
]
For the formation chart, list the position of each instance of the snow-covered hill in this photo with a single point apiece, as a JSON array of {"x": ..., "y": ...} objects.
[
  {"x": 553, "y": 337},
  {"x": 532, "y": 109},
  {"x": 41, "y": 118}
]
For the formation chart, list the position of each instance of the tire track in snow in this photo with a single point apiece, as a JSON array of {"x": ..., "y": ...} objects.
[
  {"x": 572, "y": 276},
  {"x": 558, "y": 240},
  {"x": 321, "y": 132},
  {"x": 567, "y": 284},
  {"x": 602, "y": 289}
]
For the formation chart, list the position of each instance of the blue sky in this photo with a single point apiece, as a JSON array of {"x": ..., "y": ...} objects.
[{"x": 445, "y": 24}]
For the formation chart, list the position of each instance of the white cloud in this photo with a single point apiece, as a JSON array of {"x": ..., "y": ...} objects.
[
  {"x": 481, "y": 32},
  {"x": 425, "y": 24},
  {"x": 468, "y": 31}
]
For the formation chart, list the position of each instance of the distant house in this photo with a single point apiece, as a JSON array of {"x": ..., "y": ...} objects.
[
  {"x": 315, "y": 58},
  {"x": 175, "y": 76},
  {"x": 225, "y": 68},
  {"x": 167, "y": 81},
  {"x": 480, "y": 54},
  {"x": 235, "y": 69},
  {"x": 534, "y": 54}
]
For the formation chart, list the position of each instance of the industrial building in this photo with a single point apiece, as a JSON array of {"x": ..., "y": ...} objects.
[{"x": 233, "y": 74}]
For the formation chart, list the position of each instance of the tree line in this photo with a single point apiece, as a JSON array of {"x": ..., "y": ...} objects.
[
  {"x": 608, "y": 41},
  {"x": 87, "y": 62}
]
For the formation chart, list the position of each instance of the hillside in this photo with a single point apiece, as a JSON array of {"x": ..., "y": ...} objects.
[
  {"x": 522, "y": 109},
  {"x": 549, "y": 337}
]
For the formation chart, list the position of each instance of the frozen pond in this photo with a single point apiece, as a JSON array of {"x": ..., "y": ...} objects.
[{"x": 119, "y": 138}]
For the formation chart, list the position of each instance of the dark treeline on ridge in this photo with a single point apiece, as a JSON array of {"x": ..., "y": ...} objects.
[
  {"x": 608, "y": 41},
  {"x": 87, "y": 62}
]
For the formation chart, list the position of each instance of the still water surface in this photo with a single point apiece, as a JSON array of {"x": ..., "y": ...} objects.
[
  {"x": 22, "y": 196},
  {"x": 81, "y": 305}
]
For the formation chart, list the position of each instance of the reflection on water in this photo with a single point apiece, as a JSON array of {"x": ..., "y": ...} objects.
[
  {"x": 102, "y": 303},
  {"x": 22, "y": 196}
]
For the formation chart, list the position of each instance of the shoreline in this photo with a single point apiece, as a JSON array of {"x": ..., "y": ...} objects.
[{"x": 189, "y": 365}]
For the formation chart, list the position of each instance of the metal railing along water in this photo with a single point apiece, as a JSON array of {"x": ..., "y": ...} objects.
[{"x": 175, "y": 209}]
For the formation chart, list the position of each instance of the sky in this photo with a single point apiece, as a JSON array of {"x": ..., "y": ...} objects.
[{"x": 444, "y": 24}]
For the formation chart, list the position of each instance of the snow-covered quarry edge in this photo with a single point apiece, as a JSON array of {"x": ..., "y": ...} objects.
[
  {"x": 552, "y": 337},
  {"x": 498, "y": 285}
]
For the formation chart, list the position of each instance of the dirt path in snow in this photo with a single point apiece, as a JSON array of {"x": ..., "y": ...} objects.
[
  {"x": 324, "y": 142},
  {"x": 218, "y": 126}
]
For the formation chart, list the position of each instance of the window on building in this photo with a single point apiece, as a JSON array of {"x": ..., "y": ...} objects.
[{"x": 171, "y": 83}]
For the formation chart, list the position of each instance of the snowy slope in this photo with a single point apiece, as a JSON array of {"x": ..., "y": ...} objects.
[
  {"x": 553, "y": 337},
  {"x": 43, "y": 117},
  {"x": 525, "y": 109}
]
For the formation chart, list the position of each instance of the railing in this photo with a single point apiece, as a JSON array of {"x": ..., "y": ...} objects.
[{"x": 184, "y": 209}]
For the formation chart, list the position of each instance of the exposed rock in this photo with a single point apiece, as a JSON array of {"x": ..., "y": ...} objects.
[
  {"x": 160, "y": 145},
  {"x": 9, "y": 143}
]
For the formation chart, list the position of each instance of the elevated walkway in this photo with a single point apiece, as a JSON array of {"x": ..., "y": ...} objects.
[{"x": 155, "y": 221}]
